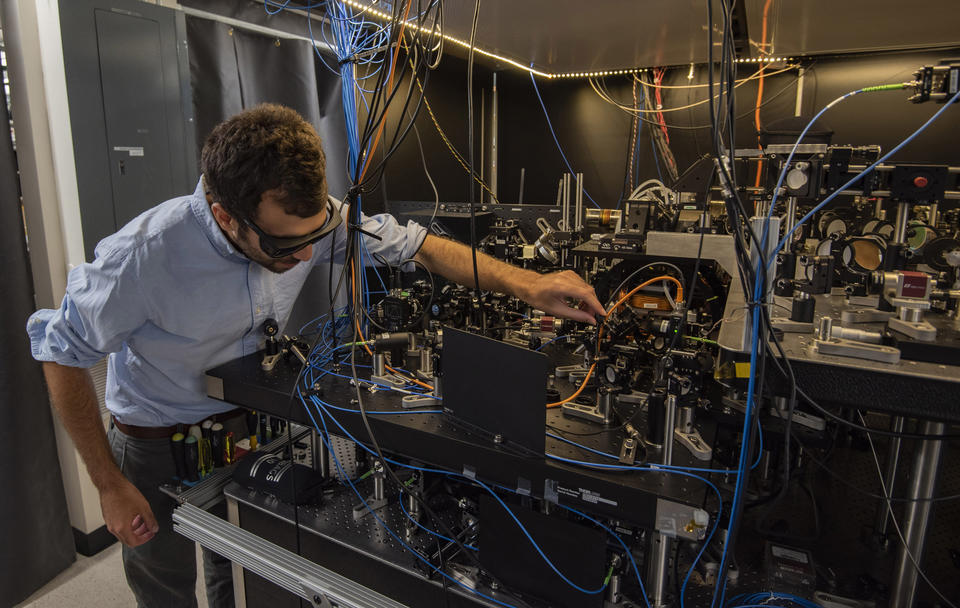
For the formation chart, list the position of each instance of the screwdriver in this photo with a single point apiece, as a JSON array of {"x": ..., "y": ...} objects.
[
  {"x": 193, "y": 458},
  {"x": 216, "y": 443},
  {"x": 264, "y": 434},
  {"x": 229, "y": 448},
  {"x": 179, "y": 456},
  {"x": 252, "y": 420}
]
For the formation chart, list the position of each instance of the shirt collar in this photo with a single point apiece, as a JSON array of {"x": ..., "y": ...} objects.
[{"x": 209, "y": 226}]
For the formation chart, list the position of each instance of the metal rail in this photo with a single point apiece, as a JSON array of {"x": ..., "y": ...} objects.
[{"x": 316, "y": 584}]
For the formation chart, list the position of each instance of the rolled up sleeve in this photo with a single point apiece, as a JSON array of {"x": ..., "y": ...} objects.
[
  {"x": 103, "y": 305},
  {"x": 397, "y": 242}
]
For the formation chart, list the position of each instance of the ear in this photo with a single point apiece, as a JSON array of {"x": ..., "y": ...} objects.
[{"x": 226, "y": 221}]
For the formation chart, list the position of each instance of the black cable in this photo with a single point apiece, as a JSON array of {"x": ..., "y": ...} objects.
[
  {"x": 470, "y": 198},
  {"x": 842, "y": 480}
]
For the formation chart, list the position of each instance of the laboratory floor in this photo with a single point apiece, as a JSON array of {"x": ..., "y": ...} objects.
[{"x": 94, "y": 582}]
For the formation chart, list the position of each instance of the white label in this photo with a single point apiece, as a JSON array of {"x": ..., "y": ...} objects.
[
  {"x": 131, "y": 150},
  {"x": 796, "y": 556}
]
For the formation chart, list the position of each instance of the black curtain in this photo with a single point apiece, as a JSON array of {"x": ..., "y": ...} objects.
[
  {"x": 232, "y": 69},
  {"x": 34, "y": 527}
]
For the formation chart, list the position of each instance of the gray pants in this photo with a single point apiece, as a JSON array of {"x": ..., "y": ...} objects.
[{"x": 162, "y": 573}]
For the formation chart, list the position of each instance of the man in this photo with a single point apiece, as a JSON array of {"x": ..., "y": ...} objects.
[{"x": 188, "y": 285}]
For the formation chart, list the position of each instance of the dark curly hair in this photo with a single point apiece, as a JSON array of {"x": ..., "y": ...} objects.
[{"x": 265, "y": 148}]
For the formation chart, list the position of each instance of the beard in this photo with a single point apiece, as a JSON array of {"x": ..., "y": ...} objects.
[{"x": 254, "y": 254}]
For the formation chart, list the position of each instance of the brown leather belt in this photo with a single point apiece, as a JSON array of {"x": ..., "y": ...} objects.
[{"x": 163, "y": 432}]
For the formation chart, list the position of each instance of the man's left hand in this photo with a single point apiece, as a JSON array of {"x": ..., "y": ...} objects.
[{"x": 551, "y": 292}]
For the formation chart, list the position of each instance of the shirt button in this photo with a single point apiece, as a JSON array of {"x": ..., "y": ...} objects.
[{"x": 259, "y": 310}]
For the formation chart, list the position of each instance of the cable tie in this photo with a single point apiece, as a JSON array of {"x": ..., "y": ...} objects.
[{"x": 357, "y": 228}]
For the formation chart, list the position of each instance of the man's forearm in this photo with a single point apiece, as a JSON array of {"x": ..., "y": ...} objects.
[
  {"x": 75, "y": 400},
  {"x": 455, "y": 261}
]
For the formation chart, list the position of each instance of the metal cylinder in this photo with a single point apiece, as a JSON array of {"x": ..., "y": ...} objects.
[
  {"x": 803, "y": 307},
  {"x": 378, "y": 486},
  {"x": 379, "y": 364},
  {"x": 412, "y": 360},
  {"x": 494, "y": 168},
  {"x": 426, "y": 361},
  {"x": 579, "y": 202},
  {"x": 320, "y": 457},
  {"x": 916, "y": 516},
  {"x": 789, "y": 220},
  {"x": 900, "y": 228},
  {"x": 656, "y": 402},
  {"x": 613, "y": 589},
  {"x": 657, "y": 573},
  {"x": 670, "y": 421},
  {"x": 858, "y": 335},
  {"x": 685, "y": 419},
  {"x": 605, "y": 403},
  {"x": 911, "y": 315},
  {"x": 413, "y": 506},
  {"x": 826, "y": 328}
]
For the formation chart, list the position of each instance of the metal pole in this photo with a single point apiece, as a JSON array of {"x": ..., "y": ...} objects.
[
  {"x": 483, "y": 137},
  {"x": 321, "y": 457},
  {"x": 903, "y": 216},
  {"x": 494, "y": 143},
  {"x": 789, "y": 220},
  {"x": 798, "y": 106},
  {"x": 757, "y": 223},
  {"x": 670, "y": 421},
  {"x": 523, "y": 171},
  {"x": 579, "y": 199},
  {"x": 917, "y": 516},
  {"x": 657, "y": 573}
]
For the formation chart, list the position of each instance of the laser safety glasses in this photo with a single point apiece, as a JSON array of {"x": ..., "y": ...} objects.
[{"x": 280, "y": 247}]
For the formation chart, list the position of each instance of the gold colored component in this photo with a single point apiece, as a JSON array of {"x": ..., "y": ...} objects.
[{"x": 647, "y": 302}]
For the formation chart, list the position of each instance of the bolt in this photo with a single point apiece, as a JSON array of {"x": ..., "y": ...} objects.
[{"x": 498, "y": 438}]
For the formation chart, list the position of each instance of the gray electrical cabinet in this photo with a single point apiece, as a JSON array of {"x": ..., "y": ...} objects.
[{"x": 131, "y": 113}]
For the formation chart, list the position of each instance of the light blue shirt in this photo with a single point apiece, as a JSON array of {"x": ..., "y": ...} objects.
[{"x": 169, "y": 297}]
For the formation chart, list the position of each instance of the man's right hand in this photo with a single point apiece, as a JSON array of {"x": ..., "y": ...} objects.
[{"x": 127, "y": 513}]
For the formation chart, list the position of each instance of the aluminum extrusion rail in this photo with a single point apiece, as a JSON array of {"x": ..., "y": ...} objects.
[{"x": 318, "y": 585}]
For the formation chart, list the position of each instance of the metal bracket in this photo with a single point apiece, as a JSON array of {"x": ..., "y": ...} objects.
[
  {"x": 813, "y": 422},
  {"x": 857, "y": 350},
  {"x": 389, "y": 380},
  {"x": 563, "y": 371},
  {"x": 789, "y": 326},
  {"x": 315, "y": 594},
  {"x": 694, "y": 442},
  {"x": 864, "y": 315},
  {"x": 412, "y": 401},
  {"x": 270, "y": 361},
  {"x": 628, "y": 451},
  {"x": 920, "y": 330},
  {"x": 587, "y": 412}
]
